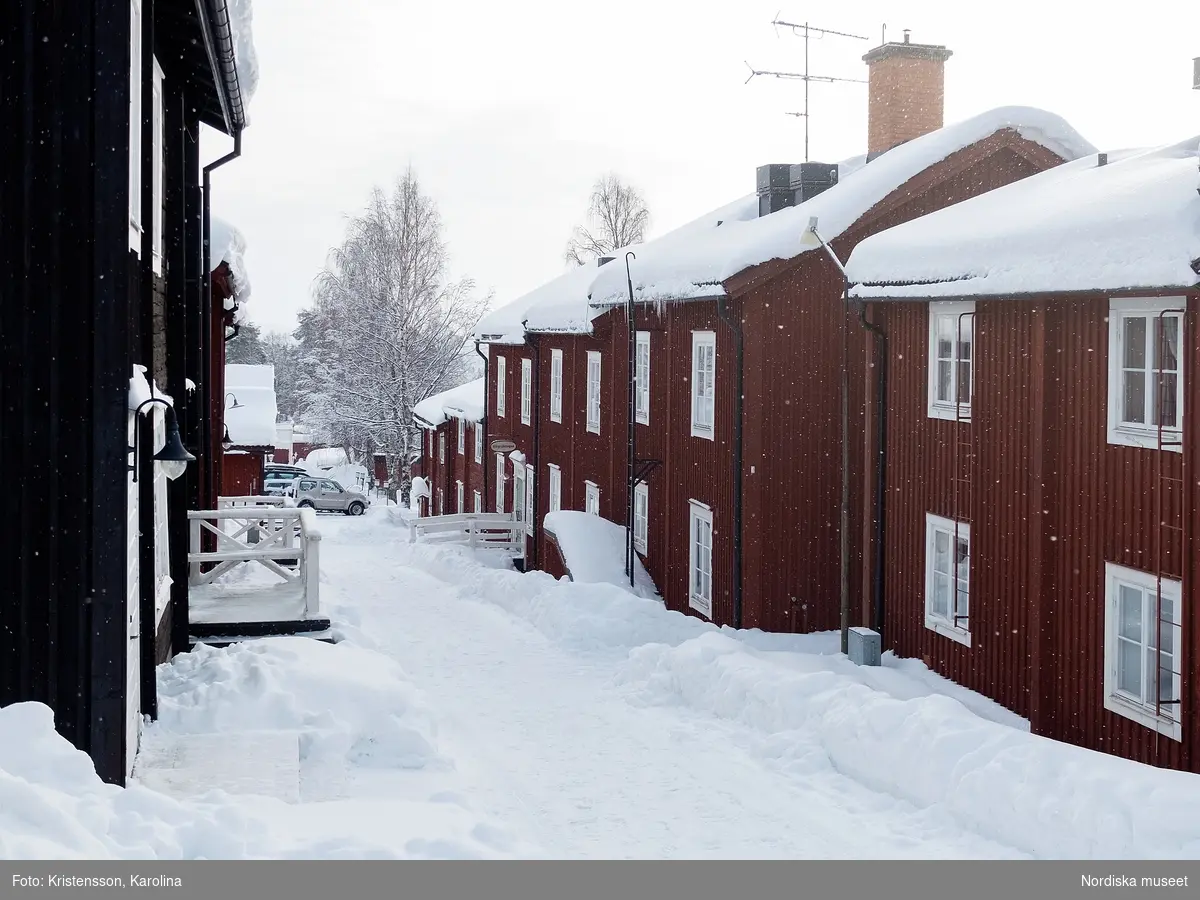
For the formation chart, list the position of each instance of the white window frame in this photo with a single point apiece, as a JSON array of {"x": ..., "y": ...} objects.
[
  {"x": 530, "y": 498},
  {"x": 555, "y": 487},
  {"x": 1129, "y": 434},
  {"x": 159, "y": 125},
  {"x": 961, "y": 313},
  {"x": 135, "y": 126},
  {"x": 526, "y": 391},
  {"x": 594, "y": 367},
  {"x": 700, "y": 549},
  {"x": 501, "y": 384},
  {"x": 556, "y": 385},
  {"x": 442, "y": 448},
  {"x": 431, "y": 438},
  {"x": 642, "y": 377},
  {"x": 519, "y": 495},
  {"x": 462, "y": 436},
  {"x": 499, "y": 482},
  {"x": 478, "y": 501},
  {"x": 591, "y": 498},
  {"x": 704, "y": 385},
  {"x": 478, "y": 429},
  {"x": 641, "y": 518},
  {"x": 948, "y": 626},
  {"x": 459, "y": 496},
  {"x": 1170, "y": 720}
]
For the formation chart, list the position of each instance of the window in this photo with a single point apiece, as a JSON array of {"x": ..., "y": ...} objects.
[
  {"x": 591, "y": 498},
  {"x": 642, "y": 377},
  {"x": 135, "y": 126},
  {"x": 1145, "y": 372},
  {"x": 308, "y": 485},
  {"x": 704, "y": 382},
  {"x": 478, "y": 442},
  {"x": 441, "y": 446},
  {"x": 947, "y": 578},
  {"x": 951, "y": 359},
  {"x": 431, "y": 445},
  {"x": 641, "y": 517},
  {"x": 441, "y": 506},
  {"x": 556, "y": 385},
  {"x": 501, "y": 384},
  {"x": 158, "y": 114},
  {"x": 478, "y": 502},
  {"x": 526, "y": 391},
  {"x": 530, "y": 500},
  {"x": 555, "y": 488},
  {"x": 499, "y": 482},
  {"x": 461, "y": 427},
  {"x": 593, "y": 391},
  {"x": 1141, "y": 656},
  {"x": 459, "y": 508},
  {"x": 700, "y": 559},
  {"x": 519, "y": 492}
]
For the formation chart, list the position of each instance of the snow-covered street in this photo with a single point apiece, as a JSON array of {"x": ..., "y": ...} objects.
[{"x": 472, "y": 711}]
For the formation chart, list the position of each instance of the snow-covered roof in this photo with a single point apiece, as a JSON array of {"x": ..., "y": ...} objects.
[
  {"x": 559, "y": 305},
  {"x": 1133, "y": 223},
  {"x": 693, "y": 262},
  {"x": 227, "y": 244},
  {"x": 241, "y": 14},
  {"x": 252, "y": 424},
  {"x": 467, "y": 401}
]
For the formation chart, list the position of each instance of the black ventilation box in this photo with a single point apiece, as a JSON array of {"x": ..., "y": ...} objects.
[
  {"x": 808, "y": 179},
  {"x": 774, "y": 188}
]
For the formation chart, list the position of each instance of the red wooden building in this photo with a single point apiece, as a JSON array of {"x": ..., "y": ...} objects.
[
  {"x": 453, "y": 449},
  {"x": 1041, "y": 435}
]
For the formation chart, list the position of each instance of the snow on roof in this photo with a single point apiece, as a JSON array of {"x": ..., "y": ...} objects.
[
  {"x": 593, "y": 550},
  {"x": 252, "y": 424},
  {"x": 227, "y": 244},
  {"x": 463, "y": 402},
  {"x": 692, "y": 262},
  {"x": 1129, "y": 224},
  {"x": 560, "y": 304},
  {"x": 241, "y": 14}
]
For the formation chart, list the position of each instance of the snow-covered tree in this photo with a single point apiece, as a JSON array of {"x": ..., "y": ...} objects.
[
  {"x": 247, "y": 347},
  {"x": 387, "y": 328},
  {"x": 617, "y": 217},
  {"x": 283, "y": 352}
]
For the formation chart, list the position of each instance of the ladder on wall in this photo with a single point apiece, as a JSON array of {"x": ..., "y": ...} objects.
[{"x": 963, "y": 443}]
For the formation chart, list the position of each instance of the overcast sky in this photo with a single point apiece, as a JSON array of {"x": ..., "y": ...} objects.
[{"x": 509, "y": 111}]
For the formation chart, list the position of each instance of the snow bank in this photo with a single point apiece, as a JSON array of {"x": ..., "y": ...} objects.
[
  {"x": 253, "y": 423},
  {"x": 467, "y": 402},
  {"x": 693, "y": 262},
  {"x": 594, "y": 549},
  {"x": 1132, "y": 223}
]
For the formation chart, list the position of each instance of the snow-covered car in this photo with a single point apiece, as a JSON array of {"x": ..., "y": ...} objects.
[
  {"x": 327, "y": 495},
  {"x": 278, "y": 478}
]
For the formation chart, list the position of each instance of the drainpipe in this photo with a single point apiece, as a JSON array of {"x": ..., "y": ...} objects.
[
  {"x": 630, "y": 552},
  {"x": 881, "y": 385},
  {"x": 484, "y": 423},
  {"x": 535, "y": 414},
  {"x": 738, "y": 404},
  {"x": 206, "y": 374}
]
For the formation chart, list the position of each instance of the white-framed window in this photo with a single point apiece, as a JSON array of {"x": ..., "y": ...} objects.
[
  {"x": 478, "y": 502},
  {"x": 591, "y": 498},
  {"x": 461, "y": 427},
  {"x": 593, "y": 391},
  {"x": 948, "y": 578},
  {"x": 519, "y": 492},
  {"x": 1142, "y": 649},
  {"x": 442, "y": 447},
  {"x": 555, "y": 488},
  {"x": 642, "y": 377},
  {"x": 478, "y": 427},
  {"x": 135, "y": 126},
  {"x": 704, "y": 383},
  {"x": 499, "y": 482},
  {"x": 159, "y": 125},
  {"x": 459, "y": 507},
  {"x": 1144, "y": 340},
  {"x": 501, "y": 384},
  {"x": 556, "y": 385},
  {"x": 530, "y": 499},
  {"x": 430, "y": 445},
  {"x": 951, "y": 359},
  {"x": 526, "y": 391},
  {"x": 700, "y": 543},
  {"x": 641, "y": 517}
]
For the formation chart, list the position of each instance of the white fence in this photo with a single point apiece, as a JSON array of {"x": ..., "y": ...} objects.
[{"x": 491, "y": 531}]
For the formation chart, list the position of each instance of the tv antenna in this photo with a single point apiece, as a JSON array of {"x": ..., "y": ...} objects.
[{"x": 808, "y": 32}]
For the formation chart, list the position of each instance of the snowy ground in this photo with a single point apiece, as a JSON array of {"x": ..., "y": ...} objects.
[{"x": 471, "y": 711}]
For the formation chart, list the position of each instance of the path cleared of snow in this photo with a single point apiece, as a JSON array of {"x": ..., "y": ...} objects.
[{"x": 474, "y": 712}]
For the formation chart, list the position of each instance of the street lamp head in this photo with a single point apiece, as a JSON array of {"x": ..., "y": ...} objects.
[
  {"x": 173, "y": 456},
  {"x": 235, "y": 405},
  {"x": 226, "y": 441}
]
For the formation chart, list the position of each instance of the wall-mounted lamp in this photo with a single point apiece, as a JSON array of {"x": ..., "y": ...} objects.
[
  {"x": 226, "y": 441},
  {"x": 236, "y": 405},
  {"x": 173, "y": 456}
]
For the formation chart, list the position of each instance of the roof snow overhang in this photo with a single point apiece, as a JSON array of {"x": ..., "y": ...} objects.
[{"x": 194, "y": 44}]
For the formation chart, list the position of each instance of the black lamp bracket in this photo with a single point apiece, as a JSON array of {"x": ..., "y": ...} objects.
[{"x": 137, "y": 432}]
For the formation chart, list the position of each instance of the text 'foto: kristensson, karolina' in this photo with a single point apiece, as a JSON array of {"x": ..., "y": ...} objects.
[
  {"x": 96, "y": 881},
  {"x": 1133, "y": 881}
]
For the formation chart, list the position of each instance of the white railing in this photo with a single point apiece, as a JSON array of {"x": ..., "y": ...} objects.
[
  {"x": 491, "y": 531},
  {"x": 285, "y": 540},
  {"x": 233, "y": 502}
]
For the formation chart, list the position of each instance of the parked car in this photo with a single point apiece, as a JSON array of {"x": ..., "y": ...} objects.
[
  {"x": 327, "y": 495},
  {"x": 278, "y": 478}
]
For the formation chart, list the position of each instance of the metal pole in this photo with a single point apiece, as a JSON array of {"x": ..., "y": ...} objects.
[{"x": 630, "y": 552}]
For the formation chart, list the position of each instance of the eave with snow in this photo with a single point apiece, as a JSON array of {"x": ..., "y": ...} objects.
[{"x": 466, "y": 402}]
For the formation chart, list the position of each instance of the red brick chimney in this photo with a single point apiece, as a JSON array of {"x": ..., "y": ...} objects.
[{"x": 907, "y": 86}]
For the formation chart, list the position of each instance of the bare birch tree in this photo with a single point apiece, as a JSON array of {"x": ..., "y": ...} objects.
[
  {"x": 617, "y": 217},
  {"x": 387, "y": 329}
]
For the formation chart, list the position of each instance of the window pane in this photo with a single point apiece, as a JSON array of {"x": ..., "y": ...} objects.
[
  {"x": 1168, "y": 404},
  {"x": 941, "y": 552},
  {"x": 941, "y": 596},
  {"x": 1135, "y": 342},
  {"x": 964, "y": 382},
  {"x": 1166, "y": 686},
  {"x": 1166, "y": 343},
  {"x": 1135, "y": 397},
  {"x": 965, "y": 332},
  {"x": 943, "y": 381},
  {"x": 963, "y": 559},
  {"x": 945, "y": 337},
  {"x": 1129, "y": 668},
  {"x": 1129, "y": 621}
]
